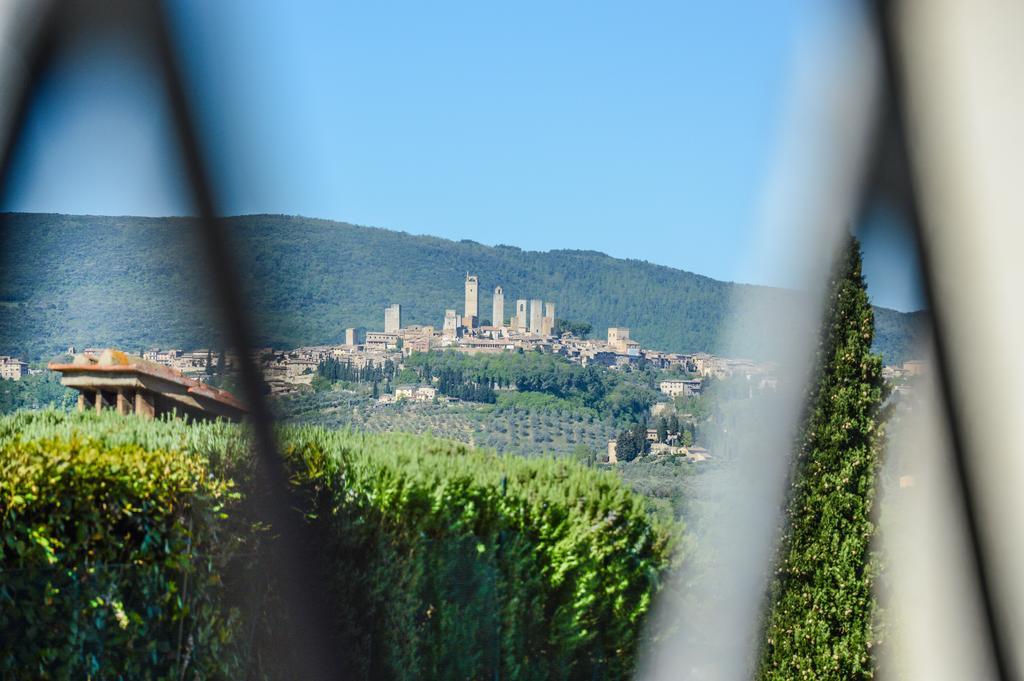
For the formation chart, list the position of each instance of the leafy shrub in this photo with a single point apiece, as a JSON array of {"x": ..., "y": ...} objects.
[
  {"x": 112, "y": 561},
  {"x": 459, "y": 562},
  {"x": 441, "y": 561},
  {"x": 35, "y": 391}
]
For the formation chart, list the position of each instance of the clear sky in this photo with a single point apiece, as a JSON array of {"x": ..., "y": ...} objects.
[{"x": 644, "y": 130}]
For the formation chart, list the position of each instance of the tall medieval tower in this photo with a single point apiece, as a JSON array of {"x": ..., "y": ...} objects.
[
  {"x": 498, "y": 310},
  {"x": 521, "y": 321},
  {"x": 536, "y": 315},
  {"x": 472, "y": 311}
]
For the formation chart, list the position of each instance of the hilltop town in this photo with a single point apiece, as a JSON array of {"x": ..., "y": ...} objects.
[
  {"x": 532, "y": 327},
  {"x": 391, "y": 359}
]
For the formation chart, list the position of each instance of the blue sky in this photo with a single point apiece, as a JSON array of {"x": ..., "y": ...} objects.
[{"x": 641, "y": 130}]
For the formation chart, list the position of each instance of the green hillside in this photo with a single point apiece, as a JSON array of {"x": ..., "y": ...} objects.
[{"x": 136, "y": 282}]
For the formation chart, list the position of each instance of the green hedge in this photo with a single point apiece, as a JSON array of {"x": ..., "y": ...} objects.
[
  {"x": 458, "y": 559},
  {"x": 112, "y": 559},
  {"x": 440, "y": 561}
]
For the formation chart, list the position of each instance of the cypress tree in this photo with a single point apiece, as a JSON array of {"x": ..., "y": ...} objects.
[
  {"x": 662, "y": 427},
  {"x": 820, "y": 610}
]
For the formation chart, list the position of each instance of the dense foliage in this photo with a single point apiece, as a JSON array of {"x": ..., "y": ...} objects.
[
  {"x": 632, "y": 442},
  {"x": 461, "y": 564},
  {"x": 112, "y": 558},
  {"x": 579, "y": 329},
  {"x": 66, "y": 280},
  {"x": 334, "y": 369},
  {"x": 819, "y": 624},
  {"x": 35, "y": 391},
  {"x": 442, "y": 561},
  {"x": 622, "y": 396}
]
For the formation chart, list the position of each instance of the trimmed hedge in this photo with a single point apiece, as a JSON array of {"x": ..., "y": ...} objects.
[
  {"x": 112, "y": 560},
  {"x": 441, "y": 561}
]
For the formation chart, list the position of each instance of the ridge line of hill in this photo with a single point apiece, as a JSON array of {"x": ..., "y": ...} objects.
[{"x": 136, "y": 282}]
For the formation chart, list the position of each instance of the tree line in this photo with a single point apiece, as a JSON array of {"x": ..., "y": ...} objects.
[
  {"x": 334, "y": 369},
  {"x": 625, "y": 396}
]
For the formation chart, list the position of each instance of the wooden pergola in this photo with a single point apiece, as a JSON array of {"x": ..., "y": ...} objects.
[{"x": 128, "y": 384}]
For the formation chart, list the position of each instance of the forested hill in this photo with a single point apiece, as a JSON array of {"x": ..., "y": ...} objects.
[{"x": 137, "y": 282}]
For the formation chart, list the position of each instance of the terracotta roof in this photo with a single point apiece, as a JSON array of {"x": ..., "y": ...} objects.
[{"x": 116, "y": 361}]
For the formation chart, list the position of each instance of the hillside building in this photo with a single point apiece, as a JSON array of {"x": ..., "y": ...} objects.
[
  {"x": 675, "y": 387},
  {"x": 393, "y": 318},
  {"x": 12, "y": 369},
  {"x": 618, "y": 336},
  {"x": 417, "y": 393},
  {"x": 498, "y": 308},
  {"x": 613, "y": 456},
  {"x": 355, "y": 336},
  {"x": 115, "y": 380},
  {"x": 381, "y": 341},
  {"x": 471, "y": 318}
]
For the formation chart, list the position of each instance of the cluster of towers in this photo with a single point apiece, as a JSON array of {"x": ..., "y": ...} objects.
[{"x": 533, "y": 316}]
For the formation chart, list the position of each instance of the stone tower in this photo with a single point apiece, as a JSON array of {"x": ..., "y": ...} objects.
[
  {"x": 536, "y": 315},
  {"x": 498, "y": 310},
  {"x": 521, "y": 316},
  {"x": 451, "y": 324},
  {"x": 470, "y": 318},
  {"x": 547, "y": 325},
  {"x": 618, "y": 338},
  {"x": 392, "y": 318}
]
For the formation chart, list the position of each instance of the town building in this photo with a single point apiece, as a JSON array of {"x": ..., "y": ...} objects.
[
  {"x": 393, "y": 318},
  {"x": 618, "y": 339},
  {"x": 376, "y": 340},
  {"x": 498, "y": 307},
  {"x": 127, "y": 384},
  {"x": 473, "y": 345},
  {"x": 471, "y": 318},
  {"x": 12, "y": 369},
  {"x": 675, "y": 387},
  {"x": 356, "y": 336},
  {"x": 709, "y": 365},
  {"x": 416, "y": 393}
]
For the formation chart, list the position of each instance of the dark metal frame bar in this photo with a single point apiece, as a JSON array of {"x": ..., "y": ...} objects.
[
  {"x": 310, "y": 625},
  {"x": 893, "y": 173}
]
